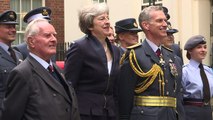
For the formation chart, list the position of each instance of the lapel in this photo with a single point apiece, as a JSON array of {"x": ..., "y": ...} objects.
[
  {"x": 99, "y": 50},
  {"x": 19, "y": 57},
  {"x": 167, "y": 56},
  {"x": 6, "y": 56},
  {"x": 48, "y": 78},
  {"x": 149, "y": 52}
]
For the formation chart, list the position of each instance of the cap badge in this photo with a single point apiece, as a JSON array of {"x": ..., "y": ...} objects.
[
  {"x": 203, "y": 38},
  {"x": 45, "y": 12},
  {"x": 11, "y": 15},
  {"x": 135, "y": 24}
]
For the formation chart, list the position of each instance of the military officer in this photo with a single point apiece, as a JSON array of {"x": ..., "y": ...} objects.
[
  {"x": 9, "y": 58},
  {"x": 127, "y": 33},
  {"x": 150, "y": 76}
]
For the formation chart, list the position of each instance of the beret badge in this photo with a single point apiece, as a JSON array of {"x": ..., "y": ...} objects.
[
  {"x": 135, "y": 24},
  {"x": 11, "y": 15}
]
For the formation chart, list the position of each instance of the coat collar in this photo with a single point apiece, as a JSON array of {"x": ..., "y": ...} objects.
[
  {"x": 48, "y": 78},
  {"x": 96, "y": 45}
]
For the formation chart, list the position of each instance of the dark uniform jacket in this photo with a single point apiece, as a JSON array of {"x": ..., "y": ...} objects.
[
  {"x": 34, "y": 94},
  {"x": 86, "y": 68},
  {"x": 6, "y": 65},
  {"x": 128, "y": 81},
  {"x": 177, "y": 51},
  {"x": 22, "y": 48}
]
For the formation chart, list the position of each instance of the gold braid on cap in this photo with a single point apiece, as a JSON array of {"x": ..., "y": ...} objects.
[{"x": 151, "y": 75}]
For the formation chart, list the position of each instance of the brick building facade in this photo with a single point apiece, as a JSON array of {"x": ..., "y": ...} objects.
[{"x": 57, "y": 7}]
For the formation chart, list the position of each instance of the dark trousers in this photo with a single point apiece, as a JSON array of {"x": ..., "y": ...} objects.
[
  {"x": 198, "y": 113},
  {"x": 105, "y": 116}
]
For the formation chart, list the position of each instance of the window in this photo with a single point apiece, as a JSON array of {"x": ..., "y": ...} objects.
[
  {"x": 99, "y": 1},
  {"x": 21, "y": 7},
  {"x": 146, "y": 3}
]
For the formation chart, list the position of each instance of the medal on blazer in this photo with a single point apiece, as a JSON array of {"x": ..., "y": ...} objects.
[
  {"x": 173, "y": 68},
  {"x": 161, "y": 61}
]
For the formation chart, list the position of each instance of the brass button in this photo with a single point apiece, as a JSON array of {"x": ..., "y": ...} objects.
[{"x": 167, "y": 92}]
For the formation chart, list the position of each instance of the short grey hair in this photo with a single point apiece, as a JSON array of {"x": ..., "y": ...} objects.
[
  {"x": 86, "y": 15},
  {"x": 32, "y": 28},
  {"x": 145, "y": 13}
]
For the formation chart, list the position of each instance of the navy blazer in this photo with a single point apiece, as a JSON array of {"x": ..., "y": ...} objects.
[{"x": 86, "y": 68}]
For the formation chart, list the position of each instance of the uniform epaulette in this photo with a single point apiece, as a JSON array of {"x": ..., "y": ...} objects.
[
  {"x": 169, "y": 49},
  {"x": 134, "y": 46},
  {"x": 124, "y": 57}
]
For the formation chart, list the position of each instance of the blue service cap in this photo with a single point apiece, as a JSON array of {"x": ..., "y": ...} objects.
[
  {"x": 194, "y": 41},
  {"x": 126, "y": 25},
  {"x": 41, "y": 12},
  {"x": 8, "y": 17}
]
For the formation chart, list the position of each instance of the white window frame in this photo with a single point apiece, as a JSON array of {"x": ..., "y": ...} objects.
[
  {"x": 99, "y": 1},
  {"x": 157, "y": 2},
  {"x": 20, "y": 19}
]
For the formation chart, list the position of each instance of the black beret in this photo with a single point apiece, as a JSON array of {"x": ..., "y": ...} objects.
[
  {"x": 194, "y": 41},
  {"x": 126, "y": 25},
  {"x": 41, "y": 12},
  {"x": 8, "y": 17}
]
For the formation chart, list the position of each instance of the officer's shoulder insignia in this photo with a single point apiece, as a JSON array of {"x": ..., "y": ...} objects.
[
  {"x": 134, "y": 46},
  {"x": 169, "y": 49}
]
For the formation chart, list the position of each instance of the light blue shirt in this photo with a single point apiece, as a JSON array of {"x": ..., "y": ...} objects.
[
  {"x": 152, "y": 45},
  {"x": 192, "y": 82},
  {"x": 5, "y": 47},
  {"x": 41, "y": 61}
]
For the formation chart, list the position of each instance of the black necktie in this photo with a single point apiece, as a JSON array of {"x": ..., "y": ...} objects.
[
  {"x": 206, "y": 90},
  {"x": 12, "y": 53},
  {"x": 158, "y": 52}
]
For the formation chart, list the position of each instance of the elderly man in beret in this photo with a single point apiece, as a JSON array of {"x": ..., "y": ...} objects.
[
  {"x": 9, "y": 58},
  {"x": 197, "y": 81},
  {"x": 127, "y": 33}
]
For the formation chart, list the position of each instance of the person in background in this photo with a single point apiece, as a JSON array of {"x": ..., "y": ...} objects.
[
  {"x": 127, "y": 33},
  {"x": 41, "y": 12},
  {"x": 197, "y": 81},
  {"x": 111, "y": 36},
  {"x": 92, "y": 65},
  {"x": 36, "y": 88},
  {"x": 9, "y": 58},
  {"x": 168, "y": 42},
  {"x": 150, "y": 75}
]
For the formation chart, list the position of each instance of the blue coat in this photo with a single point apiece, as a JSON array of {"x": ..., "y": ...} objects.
[
  {"x": 6, "y": 65},
  {"x": 146, "y": 57},
  {"x": 86, "y": 68}
]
